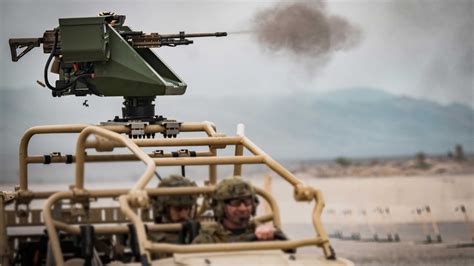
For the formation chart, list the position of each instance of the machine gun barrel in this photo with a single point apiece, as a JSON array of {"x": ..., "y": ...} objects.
[
  {"x": 194, "y": 35},
  {"x": 155, "y": 40}
]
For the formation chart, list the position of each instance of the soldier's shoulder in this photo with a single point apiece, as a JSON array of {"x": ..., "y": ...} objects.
[
  {"x": 209, "y": 229},
  {"x": 208, "y": 234}
]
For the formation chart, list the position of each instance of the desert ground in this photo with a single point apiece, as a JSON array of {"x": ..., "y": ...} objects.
[
  {"x": 416, "y": 202},
  {"x": 383, "y": 197}
]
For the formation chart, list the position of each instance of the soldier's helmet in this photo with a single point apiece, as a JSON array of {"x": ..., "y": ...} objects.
[
  {"x": 232, "y": 188},
  {"x": 161, "y": 203}
]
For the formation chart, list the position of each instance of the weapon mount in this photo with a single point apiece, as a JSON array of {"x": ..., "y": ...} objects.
[{"x": 101, "y": 56}]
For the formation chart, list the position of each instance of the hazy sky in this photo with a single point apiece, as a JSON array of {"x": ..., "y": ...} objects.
[{"x": 417, "y": 48}]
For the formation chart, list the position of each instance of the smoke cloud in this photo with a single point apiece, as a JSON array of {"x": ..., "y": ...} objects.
[
  {"x": 304, "y": 30},
  {"x": 447, "y": 27}
]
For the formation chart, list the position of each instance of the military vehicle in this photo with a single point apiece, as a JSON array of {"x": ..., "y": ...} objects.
[{"x": 101, "y": 56}]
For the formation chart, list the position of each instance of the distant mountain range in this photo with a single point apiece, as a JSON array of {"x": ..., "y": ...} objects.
[
  {"x": 356, "y": 122},
  {"x": 352, "y": 122}
]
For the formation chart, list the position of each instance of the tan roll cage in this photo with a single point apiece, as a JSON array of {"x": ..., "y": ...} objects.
[{"x": 131, "y": 200}]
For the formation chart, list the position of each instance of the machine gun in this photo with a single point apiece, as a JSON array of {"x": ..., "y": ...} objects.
[
  {"x": 136, "y": 39},
  {"x": 101, "y": 56}
]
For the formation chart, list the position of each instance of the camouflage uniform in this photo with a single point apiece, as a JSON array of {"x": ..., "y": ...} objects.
[
  {"x": 171, "y": 238},
  {"x": 229, "y": 188},
  {"x": 160, "y": 205},
  {"x": 219, "y": 234}
]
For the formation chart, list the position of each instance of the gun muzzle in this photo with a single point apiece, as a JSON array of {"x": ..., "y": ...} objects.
[{"x": 220, "y": 34}]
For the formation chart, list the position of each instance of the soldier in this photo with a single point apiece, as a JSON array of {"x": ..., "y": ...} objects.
[
  {"x": 174, "y": 209},
  {"x": 234, "y": 202}
]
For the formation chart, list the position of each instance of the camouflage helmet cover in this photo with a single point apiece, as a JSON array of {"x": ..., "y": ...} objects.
[
  {"x": 232, "y": 188},
  {"x": 160, "y": 203}
]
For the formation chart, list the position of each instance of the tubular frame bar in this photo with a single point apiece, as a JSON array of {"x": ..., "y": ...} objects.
[
  {"x": 52, "y": 224},
  {"x": 239, "y": 151},
  {"x": 221, "y": 160},
  {"x": 296, "y": 183},
  {"x": 270, "y": 162},
  {"x": 24, "y": 142},
  {"x": 106, "y": 158},
  {"x": 123, "y": 229},
  {"x": 49, "y": 222},
  {"x": 213, "y": 169},
  {"x": 4, "y": 248},
  {"x": 318, "y": 226},
  {"x": 167, "y": 142},
  {"x": 137, "y": 191},
  {"x": 205, "y": 126},
  {"x": 80, "y": 156},
  {"x": 138, "y": 223},
  {"x": 220, "y": 247},
  {"x": 119, "y": 229}
]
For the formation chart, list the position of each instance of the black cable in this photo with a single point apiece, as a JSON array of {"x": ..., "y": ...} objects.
[
  {"x": 48, "y": 62},
  {"x": 69, "y": 84}
]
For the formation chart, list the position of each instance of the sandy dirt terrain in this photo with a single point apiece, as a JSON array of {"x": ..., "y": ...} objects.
[
  {"x": 401, "y": 186},
  {"x": 389, "y": 198},
  {"x": 398, "y": 186}
]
